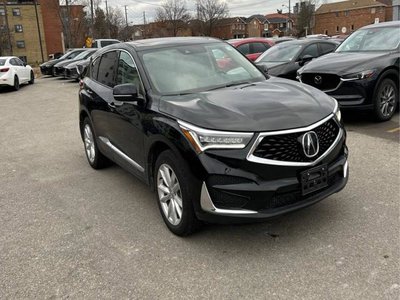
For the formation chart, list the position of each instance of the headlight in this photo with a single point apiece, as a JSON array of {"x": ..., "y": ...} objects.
[
  {"x": 203, "y": 139},
  {"x": 336, "y": 111},
  {"x": 360, "y": 75}
]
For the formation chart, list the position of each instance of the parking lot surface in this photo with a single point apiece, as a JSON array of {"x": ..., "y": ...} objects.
[{"x": 68, "y": 231}]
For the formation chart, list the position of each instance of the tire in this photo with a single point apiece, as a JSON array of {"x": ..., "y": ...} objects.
[
  {"x": 385, "y": 100},
  {"x": 16, "y": 83},
  {"x": 177, "y": 194},
  {"x": 95, "y": 158},
  {"x": 32, "y": 81}
]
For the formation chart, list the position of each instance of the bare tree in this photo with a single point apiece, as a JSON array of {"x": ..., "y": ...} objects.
[
  {"x": 305, "y": 17},
  {"x": 115, "y": 19},
  {"x": 210, "y": 11},
  {"x": 174, "y": 13}
]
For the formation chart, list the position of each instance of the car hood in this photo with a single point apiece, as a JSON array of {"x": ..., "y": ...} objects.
[
  {"x": 73, "y": 63},
  {"x": 342, "y": 63},
  {"x": 64, "y": 62},
  {"x": 50, "y": 63},
  {"x": 274, "y": 104}
]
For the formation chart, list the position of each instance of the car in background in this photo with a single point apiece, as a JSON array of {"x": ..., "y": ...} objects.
[
  {"x": 282, "y": 39},
  {"x": 363, "y": 72},
  {"x": 14, "y": 72},
  {"x": 216, "y": 145},
  {"x": 252, "y": 47},
  {"x": 47, "y": 67},
  {"x": 59, "y": 68},
  {"x": 283, "y": 60},
  {"x": 100, "y": 43}
]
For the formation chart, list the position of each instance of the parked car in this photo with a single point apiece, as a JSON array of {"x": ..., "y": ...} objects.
[
  {"x": 283, "y": 60},
  {"x": 100, "y": 43},
  {"x": 252, "y": 47},
  {"x": 363, "y": 72},
  {"x": 282, "y": 39},
  {"x": 14, "y": 72},
  {"x": 217, "y": 146},
  {"x": 81, "y": 68},
  {"x": 47, "y": 67},
  {"x": 60, "y": 67}
]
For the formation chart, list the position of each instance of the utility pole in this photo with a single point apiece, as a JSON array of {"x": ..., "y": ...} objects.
[
  {"x": 7, "y": 27},
  {"x": 38, "y": 28},
  {"x": 68, "y": 27},
  {"x": 126, "y": 23},
  {"x": 92, "y": 19},
  {"x": 108, "y": 21},
  {"x": 144, "y": 24}
]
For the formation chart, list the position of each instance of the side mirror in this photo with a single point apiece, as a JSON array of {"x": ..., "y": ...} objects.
[
  {"x": 263, "y": 68},
  {"x": 305, "y": 59},
  {"x": 126, "y": 92}
]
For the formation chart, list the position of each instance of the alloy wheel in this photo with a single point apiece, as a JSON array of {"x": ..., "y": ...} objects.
[
  {"x": 169, "y": 194},
  {"x": 89, "y": 143},
  {"x": 387, "y": 100}
]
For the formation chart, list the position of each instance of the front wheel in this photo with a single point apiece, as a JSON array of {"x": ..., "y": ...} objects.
[
  {"x": 385, "y": 100},
  {"x": 16, "y": 83},
  {"x": 176, "y": 190}
]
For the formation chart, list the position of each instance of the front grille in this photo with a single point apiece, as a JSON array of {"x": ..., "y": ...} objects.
[
  {"x": 324, "y": 82},
  {"x": 288, "y": 147}
]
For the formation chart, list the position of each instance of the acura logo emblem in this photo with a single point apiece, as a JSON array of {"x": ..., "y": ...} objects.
[
  {"x": 310, "y": 144},
  {"x": 318, "y": 79}
]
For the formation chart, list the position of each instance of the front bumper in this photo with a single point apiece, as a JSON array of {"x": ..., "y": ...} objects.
[
  {"x": 46, "y": 70},
  {"x": 240, "y": 190}
]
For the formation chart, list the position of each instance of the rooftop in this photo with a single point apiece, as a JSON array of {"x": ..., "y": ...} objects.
[{"x": 347, "y": 5}]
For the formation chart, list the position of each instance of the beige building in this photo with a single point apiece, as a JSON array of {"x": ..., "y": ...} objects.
[{"x": 24, "y": 35}]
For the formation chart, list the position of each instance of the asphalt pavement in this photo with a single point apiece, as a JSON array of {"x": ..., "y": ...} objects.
[{"x": 68, "y": 231}]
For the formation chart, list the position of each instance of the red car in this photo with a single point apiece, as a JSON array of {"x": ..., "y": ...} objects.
[{"x": 252, "y": 47}]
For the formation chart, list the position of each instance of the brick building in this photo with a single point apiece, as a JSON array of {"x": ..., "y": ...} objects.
[
  {"x": 52, "y": 26},
  {"x": 257, "y": 26},
  {"x": 23, "y": 31},
  {"x": 347, "y": 16},
  {"x": 279, "y": 25},
  {"x": 230, "y": 28}
]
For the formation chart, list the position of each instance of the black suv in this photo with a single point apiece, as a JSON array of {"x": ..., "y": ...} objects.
[
  {"x": 216, "y": 139},
  {"x": 363, "y": 73}
]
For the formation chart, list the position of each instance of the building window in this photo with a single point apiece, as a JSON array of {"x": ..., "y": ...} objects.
[
  {"x": 373, "y": 10},
  {"x": 20, "y": 44},
  {"x": 326, "y": 31},
  {"x": 352, "y": 27},
  {"x": 2, "y": 12},
  {"x": 337, "y": 28},
  {"x": 16, "y": 12},
  {"x": 337, "y": 14},
  {"x": 346, "y": 13},
  {"x": 19, "y": 28}
]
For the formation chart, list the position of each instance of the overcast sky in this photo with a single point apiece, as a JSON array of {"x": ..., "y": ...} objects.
[{"x": 135, "y": 8}]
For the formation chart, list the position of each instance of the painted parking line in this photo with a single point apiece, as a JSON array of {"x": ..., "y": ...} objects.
[{"x": 394, "y": 130}]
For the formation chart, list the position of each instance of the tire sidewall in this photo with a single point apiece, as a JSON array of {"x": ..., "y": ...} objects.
[
  {"x": 377, "y": 109},
  {"x": 32, "y": 81},
  {"x": 189, "y": 189},
  {"x": 16, "y": 83},
  {"x": 96, "y": 149}
]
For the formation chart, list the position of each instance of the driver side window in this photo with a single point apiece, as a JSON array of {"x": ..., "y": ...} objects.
[{"x": 311, "y": 50}]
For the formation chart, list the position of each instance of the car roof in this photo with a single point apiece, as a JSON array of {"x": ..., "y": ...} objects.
[
  {"x": 167, "y": 42},
  {"x": 249, "y": 40},
  {"x": 383, "y": 24},
  {"x": 7, "y": 57},
  {"x": 308, "y": 41}
]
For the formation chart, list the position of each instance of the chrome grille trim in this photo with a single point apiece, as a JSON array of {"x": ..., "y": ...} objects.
[{"x": 256, "y": 159}]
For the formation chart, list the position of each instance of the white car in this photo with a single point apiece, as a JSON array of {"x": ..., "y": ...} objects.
[{"x": 13, "y": 72}]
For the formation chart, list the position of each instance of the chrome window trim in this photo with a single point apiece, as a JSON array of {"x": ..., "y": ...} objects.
[
  {"x": 107, "y": 142},
  {"x": 256, "y": 159}
]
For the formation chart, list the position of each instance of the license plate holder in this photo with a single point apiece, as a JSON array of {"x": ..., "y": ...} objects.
[{"x": 314, "y": 179}]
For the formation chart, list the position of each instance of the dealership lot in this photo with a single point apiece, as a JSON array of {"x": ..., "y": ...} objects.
[{"x": 69, "y": 231}]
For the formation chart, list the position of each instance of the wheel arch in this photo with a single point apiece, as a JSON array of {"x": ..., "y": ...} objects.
[{"x": 82, "y": 116}]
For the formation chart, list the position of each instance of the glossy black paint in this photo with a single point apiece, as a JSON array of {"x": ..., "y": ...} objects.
[
  {"x": 48, "y": 67},
  {"x": 143, "y": 129},
  {"x": 357, "y": 94},
  {"x": 289, "y": 69}
]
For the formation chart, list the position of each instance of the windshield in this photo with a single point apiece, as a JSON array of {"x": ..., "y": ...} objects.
[
  {"x": 2, "y": 62},
  {"x": 280, "y": 53},
  {"x": 194, "y": 68},
  {"x": 84, "y": 54},
  {"x": 373, "y": 39}
]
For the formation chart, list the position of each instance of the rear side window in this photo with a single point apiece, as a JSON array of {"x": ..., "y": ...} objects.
[
  {"x": 258, "y": 47},
  {"x": 94, "y": 69},
  {"x": 106, "y": 43},
  {"x": 244, "y": 49},
  {"x": 2, "y": 62},
  {"x": 107, "y": 68},
  {"x": 327, "y": 48}
]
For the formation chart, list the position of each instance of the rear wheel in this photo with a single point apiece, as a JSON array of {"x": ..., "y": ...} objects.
[
  {"x": 32, "y": 78},
  {"x": 176, "y": 190},
  {"x": 16, "y": 83},
  {"x": 386, "y": 99},
  {"x": 95, "y": 158}
]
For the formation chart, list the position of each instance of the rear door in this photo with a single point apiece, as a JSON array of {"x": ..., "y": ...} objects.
[{"x": 256, "y": 49}]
